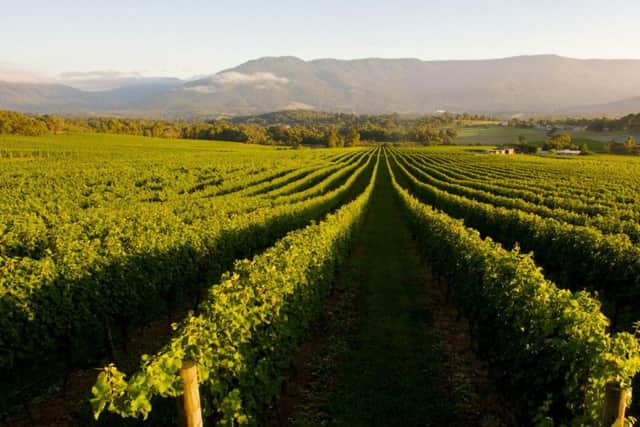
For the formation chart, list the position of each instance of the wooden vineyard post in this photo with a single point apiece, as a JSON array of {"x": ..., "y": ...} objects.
[
  {"x": 191, "y": 397},
  {"x": 615, "y": 404}
]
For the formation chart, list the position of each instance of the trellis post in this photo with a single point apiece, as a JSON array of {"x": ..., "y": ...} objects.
[
  {"x": 191, "y": 396},
  {"x": 615, "y": 405}
]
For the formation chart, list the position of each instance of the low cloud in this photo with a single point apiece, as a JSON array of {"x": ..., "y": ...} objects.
[
  {"x": 258, "y": 80},
  {"x": 234, "y": 77}
]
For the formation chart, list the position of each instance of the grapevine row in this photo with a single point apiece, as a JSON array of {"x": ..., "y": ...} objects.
[
  {"x": 547, "y": 347},
  {"x": 577, "y": 257},
  {"x": 70, "y": 308},
  {"x": 248, "y": 330},
  {"x": 583, "y": 199},
  {"x": 503, "y": 196}
]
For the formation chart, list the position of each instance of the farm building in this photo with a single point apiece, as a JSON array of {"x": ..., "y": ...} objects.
[
  {"x": 502, "y": 151},
  {"x": 568, "y": 152},
  {"x": 564, "y": 152}
]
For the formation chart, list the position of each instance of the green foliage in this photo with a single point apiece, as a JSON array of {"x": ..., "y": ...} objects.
[
  {"x": 291, "y": 128},
  {"x": 580, "y": 256},
  {"x": 353, "y": 138},
  {"x": 628, "y": 122},
  {"x": 584, "y": 150},
  {"x": 333, "y": 140},
  {"x": 98, "y": 244},
  {"x": 248, "y": 329},
  {"x": 553, "y": 202},
  {"x": 21, "y": 124},
  {"x": 630, "y": 146},
  {"x": 547, "y": 347},
  {"x": 312, "y": 118},
  {"x": 558, "y": 142},
  {"x": 101, "y": 232}
]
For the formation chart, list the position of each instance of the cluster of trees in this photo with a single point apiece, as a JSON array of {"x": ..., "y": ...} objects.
[
  {"x": 344, "y": 120},
  {"x": 338, "y": 129},
  {"x": 554, "y": 142},
  {"x": 290, "y": 128},
  {"x": 556, "y": 124},
  {"x": 629, "y": 146},
  {"x": 563, "y": 141},
  {"x": 34, "y": 125},
  {"x": 559, "y": 142},
  {"x": 22, "y": 124},
  {"x": 630, "y": 122}
]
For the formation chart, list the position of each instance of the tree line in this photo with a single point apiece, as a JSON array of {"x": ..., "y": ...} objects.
[
  {"x": 291, "y": 128},
  {"x": 630, "y": 122}
]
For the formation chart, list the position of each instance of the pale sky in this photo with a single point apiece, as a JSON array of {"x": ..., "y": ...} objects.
[{"x": 193, "y": 37}]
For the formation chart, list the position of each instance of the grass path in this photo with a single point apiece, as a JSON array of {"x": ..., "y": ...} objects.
[{"x": 381, "y": 365}]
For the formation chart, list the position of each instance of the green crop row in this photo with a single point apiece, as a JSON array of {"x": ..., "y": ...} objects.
[
  {"x": 578, "y": 257},
  {"x": 248, "y": 329},
  {"x": 502, "y": 195},
  {"x": 59, "y": 309},
  {"x": 546, "y": 347}
]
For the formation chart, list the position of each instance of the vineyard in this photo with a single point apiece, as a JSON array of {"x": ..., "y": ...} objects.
[{"x": 236, "y": 251}]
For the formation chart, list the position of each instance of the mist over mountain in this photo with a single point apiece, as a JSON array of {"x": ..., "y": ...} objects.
[
  {"x": 110, "y": 80},
  {"x": 542, "y": 84}
]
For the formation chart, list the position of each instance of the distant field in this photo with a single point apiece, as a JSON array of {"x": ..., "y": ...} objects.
[
  {"x": 498, "y": 135},
  {"x": 114, "y": 145},
  {"x": 618, "y": 136},
  {"x": 478, "y": 122}
]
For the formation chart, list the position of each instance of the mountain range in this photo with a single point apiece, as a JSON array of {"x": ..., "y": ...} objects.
[{"x": 540, "y": 84}]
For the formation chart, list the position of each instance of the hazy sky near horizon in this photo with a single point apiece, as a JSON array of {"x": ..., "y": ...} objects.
[{"x": 194, "y": 37}]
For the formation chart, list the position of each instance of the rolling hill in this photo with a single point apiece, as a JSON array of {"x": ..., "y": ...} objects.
[{"x": 542, "y": 84}]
